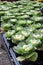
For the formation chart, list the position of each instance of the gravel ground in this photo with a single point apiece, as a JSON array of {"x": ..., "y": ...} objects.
[{"x": 4, "y": 60}]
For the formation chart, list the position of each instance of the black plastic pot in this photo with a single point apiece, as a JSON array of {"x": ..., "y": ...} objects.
[
  {"x": 8, "y": 43},
  {"x": 42, "y": 11},
  {"x": 26, "y": 62}
]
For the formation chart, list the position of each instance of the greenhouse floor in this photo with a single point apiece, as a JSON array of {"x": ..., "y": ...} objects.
[{"x": 4, "y": 60}]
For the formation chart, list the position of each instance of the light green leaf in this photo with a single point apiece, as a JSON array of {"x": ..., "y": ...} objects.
[{"x": 32, "y": 57}]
